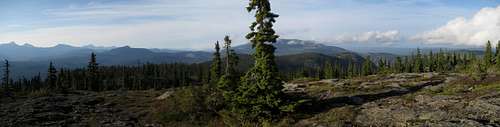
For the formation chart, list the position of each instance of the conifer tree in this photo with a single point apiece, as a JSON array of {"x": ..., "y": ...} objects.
[
  {"x": 93, "y": 74},
  {"x": 497, "y": 55},
  {"x": 260, "y": 95},
  {"x": 230, "y": 80},
  {"x": 52, "y": 76},
  {"x": 407, "y": 65},
  {"x": 367, "y": 67},
  {"x": 216, "y": 66},
  {"x": 351, "y": 69},
  {"x": 419, "y": 65},
  {"x": 496, "y": 49},
  {"x": 6, "y": 76},
  {"x": 337, "y": 71},
  {"x": 382, "y": 65},
  {"x": 488, "y": 55},
  {"x": 329, "y": 70},
  {"x": 431, "y": 62},
  {"x": 398, "y": 65},
  {"x": 231, "y": 57}
]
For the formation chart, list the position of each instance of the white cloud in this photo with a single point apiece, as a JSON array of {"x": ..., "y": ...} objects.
[
  {"x": 197, "y": 23},
  {"x": 483, "y": 26},
  {"x": 385, "y": 37}
]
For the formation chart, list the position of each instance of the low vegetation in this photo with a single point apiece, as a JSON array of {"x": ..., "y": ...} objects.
[{"x": 418, "y": 90}]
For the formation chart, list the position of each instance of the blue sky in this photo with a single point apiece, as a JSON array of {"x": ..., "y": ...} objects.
[{"x": 195, "y": 24}]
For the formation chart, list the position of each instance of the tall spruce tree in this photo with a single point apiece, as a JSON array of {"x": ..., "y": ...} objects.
[
  {"x": 231, "y": 57},
  {"x": 230, "y": 80},
  {"x": 52, "y": 76},
  {"x": 488, "y": 55},
  {"x": 93, "y": 74},
  {"x": 216, "y": 66},
  {"x": 260, "y": 94}
]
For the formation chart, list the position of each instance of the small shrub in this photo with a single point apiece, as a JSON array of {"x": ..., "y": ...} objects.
[
  {"x": 453, "y": 89},
  {"x": 40, "y": 93},
  {"x": 186, "y": 107},
  {"x": 487, "y": 87}
]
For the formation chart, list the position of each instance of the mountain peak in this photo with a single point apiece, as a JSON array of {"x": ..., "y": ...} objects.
[
  {"x": 28, "y": 45},
  {"x": 129, "y": 50},
  {"x": 295, "y": 46},
  {"x": 299, "y": 42},
  {"x": 11, "y": 44},
  {"x": 63, "y": 46}
]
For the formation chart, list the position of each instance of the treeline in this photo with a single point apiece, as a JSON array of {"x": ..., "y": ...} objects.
[
  {"x": 102, "y": 78},
  {"x": 160, "y": 76}
]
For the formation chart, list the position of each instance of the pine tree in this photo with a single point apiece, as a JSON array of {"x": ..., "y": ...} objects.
[
  {"x": 93, "y": 74},
  {"x": 367, "y": 67},
  {"x": 329, "y": 71},
  {"x": 260, "y": 95},
  {"x": 382, "y": 65},
  {"x": 6, "y": 76},
  {"x": 52, "y": 76},
  {"x": 231, "y": 57},
  {"x": 431, "y": 62},
  {"x": 216, "y": 66},
  {"x": 351, "y": 69},
  {"x": 419, "y": 65},
  {"x": 398, "y": 65},
  {"x": 230, "y": 80},
  {"x": 488, "y": 55}
]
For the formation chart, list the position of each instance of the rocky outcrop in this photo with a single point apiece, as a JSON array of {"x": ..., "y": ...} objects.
[
  {"x": 418, "y": 100},
  {"x": 114, "y": 109}
]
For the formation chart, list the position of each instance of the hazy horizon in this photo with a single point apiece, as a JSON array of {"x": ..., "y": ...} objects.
[{"x": 196, "y": 24}]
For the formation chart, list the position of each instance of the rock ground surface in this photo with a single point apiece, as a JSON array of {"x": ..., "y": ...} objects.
[
  {"x": 81, "y": 109},
  {"x": 420, "y": 100}
]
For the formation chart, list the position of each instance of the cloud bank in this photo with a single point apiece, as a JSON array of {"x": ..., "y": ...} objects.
[
  {"x": 384, "y": 37},
  {"x": 476, "y": 31},
  {"x": 196, "y": 24}
]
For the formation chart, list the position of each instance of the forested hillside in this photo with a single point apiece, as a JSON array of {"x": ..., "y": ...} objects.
[{"x": 268, "y": 82}]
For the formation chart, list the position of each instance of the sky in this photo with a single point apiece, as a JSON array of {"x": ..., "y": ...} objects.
[{"x": 197, "y": 24}]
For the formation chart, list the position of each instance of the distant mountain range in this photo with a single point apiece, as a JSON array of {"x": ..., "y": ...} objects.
[
  {"x": 27, "y": 52},
  {"x": 294, "y": 46},
  {"x": 28, "y": 60}
]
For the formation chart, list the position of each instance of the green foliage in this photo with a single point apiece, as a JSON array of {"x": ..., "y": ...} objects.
[
  {"x": 482, "y": 88},
  {"x": 6, "y": 76},
  {"x": 419, "y": 64},
  {"x": 497, "y": 55},
  {"x": 183, "y": 108},
  {"x": 216, "y": 66},
  {"x": 93, "y": 81},
  {"x": 259, "y": 96},
  {"x": 52, "y": 76},
  {"x": 331, "y": 71},
  {"x": 230, "y": 80},
  {"x": 398, "y": 65},
  {"x": 367, "y": 67},
  {"x": 39, "y": 93},
  {"x": 488, "y": 55}
]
